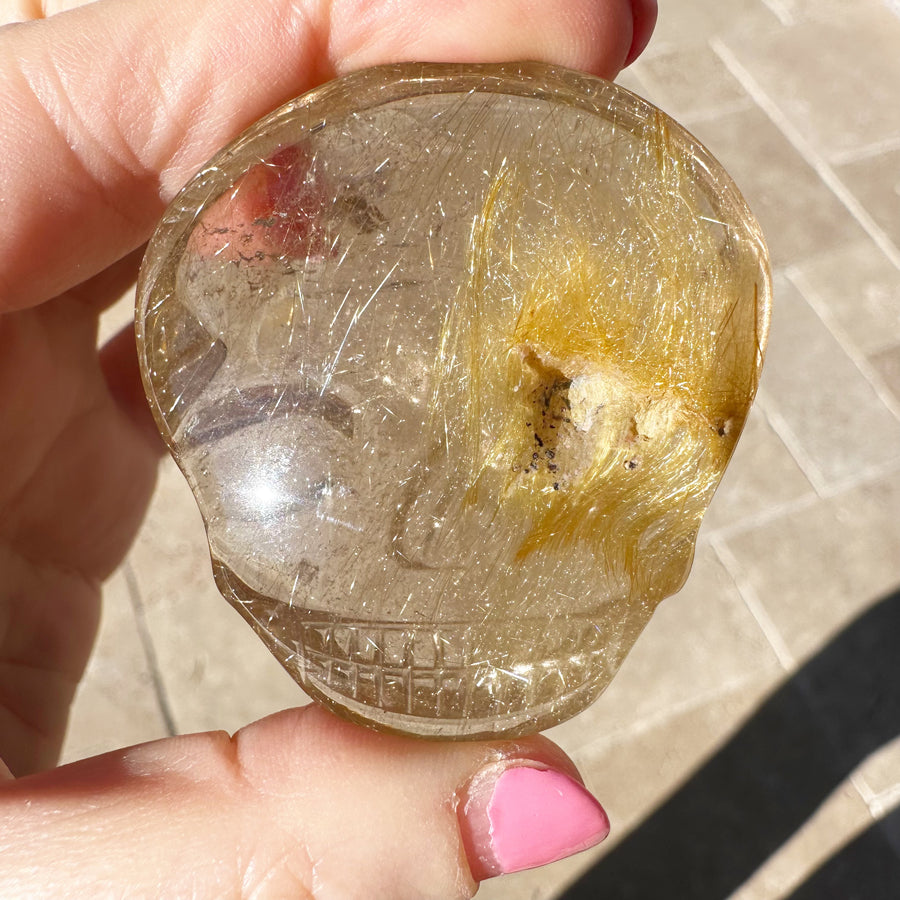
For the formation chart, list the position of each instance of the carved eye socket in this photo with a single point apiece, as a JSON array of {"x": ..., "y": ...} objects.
[{"x": 453, "y": 359}]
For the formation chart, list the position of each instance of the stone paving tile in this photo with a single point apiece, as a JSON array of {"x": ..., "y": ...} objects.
[
  {"x": 761, "y": 479},
  {"x": 691, "y": 84},
  {"x": 800, "y": 216},
  {"x": 629, "y": 79},
  {"x": 816, "y": 569},
  {"x": 701, "y": 642},
  {"x": 762, "y": 810},
  {"x": 635, "y": 775},
  {"x": 839, "y": 427},
  {"x": 835, "y": 80},
  {"x": 116, "y": 704},
  {"x": 830, "y": 584},
  {"x": 875, "y": 182},
  {"x": 858, "y": 288},
  {"x": 631, "y": 770},
  {"x": 632, "y": 775},
  {"x": 215, "y": 671}
]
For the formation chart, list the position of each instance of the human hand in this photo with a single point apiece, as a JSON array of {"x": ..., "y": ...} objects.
[{"x": 108, "y": 109}]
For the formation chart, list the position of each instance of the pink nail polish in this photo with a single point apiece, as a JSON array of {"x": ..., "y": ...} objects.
[{"x": 532, "y": 817}]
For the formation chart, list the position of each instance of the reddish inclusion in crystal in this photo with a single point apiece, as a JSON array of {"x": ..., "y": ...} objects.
[{"x": 273, "y": 210}]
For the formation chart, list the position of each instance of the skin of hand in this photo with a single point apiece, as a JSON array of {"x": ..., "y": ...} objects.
[{"x": 109, "y": 107}]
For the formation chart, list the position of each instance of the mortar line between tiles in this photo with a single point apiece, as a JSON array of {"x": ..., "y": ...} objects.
[
  {"x": 884, "y": 802},
  {"x": 764, "y": 517},
  {"x": 866, "y": 477},
  {"x": 752, "y": 602},
  {"x": 728, "y": 108},
  {"x": 159, "y": 688},
  {"x": 865, "y": 152},
  {"x": 647, "y": 723},
  {"x": 868, "y": 796},
  {"x": 779, "y": 424},
  {"x": 807, "y": 151},
  {"x": 778, "y": 9},
  {"x": 795, "y": 276}
]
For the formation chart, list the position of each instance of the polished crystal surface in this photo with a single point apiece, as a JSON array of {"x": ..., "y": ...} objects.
[{"x": 453, "y": 358}]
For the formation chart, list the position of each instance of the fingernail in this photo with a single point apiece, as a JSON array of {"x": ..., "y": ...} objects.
[{"x": 523, "y": 816}]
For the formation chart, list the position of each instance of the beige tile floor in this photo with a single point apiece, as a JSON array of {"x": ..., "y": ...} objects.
[{"x": 747, "y": 746}]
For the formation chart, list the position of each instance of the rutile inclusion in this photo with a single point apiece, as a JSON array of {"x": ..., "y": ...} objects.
[{"x": 453, "y": 358}]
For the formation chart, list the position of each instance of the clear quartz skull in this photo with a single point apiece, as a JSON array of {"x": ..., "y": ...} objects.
[{"x": 453, "y": 358}]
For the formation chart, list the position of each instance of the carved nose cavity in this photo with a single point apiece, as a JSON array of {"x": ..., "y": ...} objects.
[{"x": 453, "y": 358}]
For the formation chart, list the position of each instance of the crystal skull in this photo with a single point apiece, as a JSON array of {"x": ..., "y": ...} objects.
[{"x": 453, "y": 358}]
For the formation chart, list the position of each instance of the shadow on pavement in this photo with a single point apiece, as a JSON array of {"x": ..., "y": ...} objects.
[{"x": 759, "y": 789}]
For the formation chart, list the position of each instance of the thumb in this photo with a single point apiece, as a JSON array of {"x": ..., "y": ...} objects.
[
  {"x": 110, "y": 107},
  {"x": 300, "y": 804}
]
